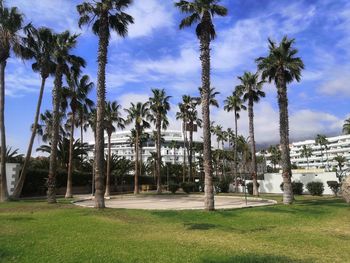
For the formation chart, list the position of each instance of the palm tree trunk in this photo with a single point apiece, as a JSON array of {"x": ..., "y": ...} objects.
[
  {"x": 184, "y": 151},
  {"x": 190, "y": 153},
  {"x": 284, "y": 140},
  {"x": 101, "y": 101},
  {"x": 159, "y": 158},
  {"x": 235, "y": 150},
  {"x": 205, "y": 60},
  {"x": 252, "y": 145},
  {"x": 4, "y": 192},
  {"x": 81, "y": 139},
  {"x": 69, "y": 191},
  {"x": 108, "y": 179},
  {"x": 51, "y": 181},
  {"x": 174, "y": 155},
  {"x": 19, "y": 185},
  {"x": 136, "y": 177}
]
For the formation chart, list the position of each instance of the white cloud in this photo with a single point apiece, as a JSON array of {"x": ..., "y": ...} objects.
[{"x": 338, "y": 84}]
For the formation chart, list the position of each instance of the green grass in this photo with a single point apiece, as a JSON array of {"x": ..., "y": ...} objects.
[{"x": 311, "y": 230}]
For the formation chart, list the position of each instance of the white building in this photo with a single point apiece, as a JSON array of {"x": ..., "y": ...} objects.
[
  {"x": 122, "y": 147},
  {"x": 337, "y": 146}
]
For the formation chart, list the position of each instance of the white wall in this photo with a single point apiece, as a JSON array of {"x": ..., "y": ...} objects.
[
  {"x": 272, "y": 182},
  {"x": 12, "y": 173}
]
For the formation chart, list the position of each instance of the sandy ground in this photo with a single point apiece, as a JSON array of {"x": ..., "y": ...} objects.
[{"x": 174, "y": 202}]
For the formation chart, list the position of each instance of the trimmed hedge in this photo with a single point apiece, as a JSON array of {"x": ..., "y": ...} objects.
[
  {"x": 173, "y": 187},
  {"x": 187, "y": 187},
  {"x": 315, "y": 188},
  {"x": 296, "y": 186},
  {"x": 334, "y": 186}
]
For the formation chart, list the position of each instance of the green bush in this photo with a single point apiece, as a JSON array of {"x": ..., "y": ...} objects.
[
  {"x": 173, "y": 187},
  {"x": 250, "y": 187},
  {"x": 223, "y": 186},
  {"x": 334, "y": 186},
  {"x": 296, "y": 186},
  {"x": 187, "y": 187},
  {"x": 315, "y": 188}
]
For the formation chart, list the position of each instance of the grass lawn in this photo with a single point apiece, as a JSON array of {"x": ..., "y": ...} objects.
[{"x": 311, "y": 230}]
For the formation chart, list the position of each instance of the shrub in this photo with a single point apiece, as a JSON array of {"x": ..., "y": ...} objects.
[
  {"x": 187, "y": 187},
  {"x": 250, "y": 187},
  {"x": 334, "y": 186},
  {"x": 223, "y": 186},
  {"x": 173, "y": 187},
  {"x": 296, "y": 186},
  {"x": 315, "y": 188}
]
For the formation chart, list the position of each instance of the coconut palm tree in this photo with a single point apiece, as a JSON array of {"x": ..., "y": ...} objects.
[
  {"x": 159, "y": 106},
  {"x": 37, "y": 45},
  {"x": 346, "y": 126},
  {"x": 283, "y": 67},
  {"x": 76, "y": 95},
  {"x": 10, "y": 24},
  {"x": 234, "y": 103},
  {"x": 251, "y": 89},
  {"x": 139, "y": 114},
  {"x": 322, "y": 141},
  {"x": 104, "y": 16},
  {"x": 65, "y": 63},
  {"x": 306, "y": 152},
  {"x": 113, "y": 119},
  {"x": 202, "y": 12}
]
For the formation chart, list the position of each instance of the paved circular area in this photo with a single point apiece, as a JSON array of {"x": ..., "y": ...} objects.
[{"x": 176, "y": 202}]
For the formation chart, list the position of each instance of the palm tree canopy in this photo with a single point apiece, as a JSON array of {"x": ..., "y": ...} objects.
[
  {"x": 306, "y": 152},
  {"x": 281, "y": 59},
  {"x": 234, "y": 103},
  {"x": 39, "y": 45},
  {"x": 92, "y": 12},
  {"x": 10, "y": 23},
  {"x": 201, "y": 12},
  {"x": 346, "y": 127},
  {"x": 159, "y": 106},
  {"x": 139, "y": 113},
  {"x": 212, "y": 97},
  {"x": 250, "y": 87},
  {"x": 45, "y": 127},
  {"x": 113, "y": 117},
  {"x": 321, "y": 140}
]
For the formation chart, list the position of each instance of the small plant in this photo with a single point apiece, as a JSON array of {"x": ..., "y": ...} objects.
[
  {"x": 296, "y": 186},
  {"x": 187, "y": 187},
  {"x": 315, "y": 188},
  {"x": 223, "y": 186},
  {"x": 250, "y": 187},
  {"x": 334, "y": 186},
  {"x": 173, "y": 187}
]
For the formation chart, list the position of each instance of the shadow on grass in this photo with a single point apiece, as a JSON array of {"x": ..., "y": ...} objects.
[
  {"x": 190, "y": 226},
  {"x": 255, "y": 258},
  {"x": 20, "y": 218}
]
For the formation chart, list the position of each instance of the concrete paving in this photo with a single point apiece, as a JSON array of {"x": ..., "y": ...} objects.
[{"x": 175, "y": 202}]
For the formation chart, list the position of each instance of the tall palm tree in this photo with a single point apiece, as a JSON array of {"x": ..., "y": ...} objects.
[
  {"x": 283, "y": 67},
  {"x": 275, "y": 155},
  {"x": 37, "y": 45},
  {"x": 346, "y": 126},
  {"x": 251, "y": 89},
  {"x": 113, "y": 119},
  {"x": 307, "y": 153},
  {"x": 212, "y": 97},
  {"x": 45, "y": 127},
  {"x": 322, "y": 141},
  {"x": 77, "y": 95},
  {"x": 104, "y": 16},
  {"x": 174, "y": 145},
  {"x": 202, "y": 12},
  {"x": 234, "y": 103},
  {"x": 139, "y": 114},
  {"x": 65, "y": 62},
  {"x": 159, "y": 105},
  {"x": 10, "y": 24}
]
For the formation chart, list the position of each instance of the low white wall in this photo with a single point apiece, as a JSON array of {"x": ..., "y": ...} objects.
[
  {"x": 12, "y": 173},
  {"x": 272, "y": 182}
]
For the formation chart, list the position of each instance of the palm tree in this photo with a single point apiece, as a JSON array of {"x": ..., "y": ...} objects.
[
  {"x": 112, "y": 118},
  {"x": 139, "y": 114},
  {"x": 306, "y": 152},
  {"x": 212, "y": 97},
  {"x": 45, "y": 127},
  {"x": 77, "y": 95},
  {"x": 38, "y": 45},
  {"x": 10, "y": 24},
  {"x": 346, "y": 126},
  {"x": 65, "y": 62},
  {"x": 283, "y": 67},
  {"x": 159, "y": 105},
  {"x": 251, "y": 89},
  {"x": 322, "y": 141},
  {"x": 234, "y": 103},
  {"x": 202, "y": 13},
  {"x": 105, "y": 16},
  {"x": 174, "y": 145},
  {"x": 341, "y": 160},
  {"x": 275, "y": 155}
]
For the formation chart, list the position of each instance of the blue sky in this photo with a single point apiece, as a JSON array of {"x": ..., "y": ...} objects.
[{"x": 158, "y": 55}]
